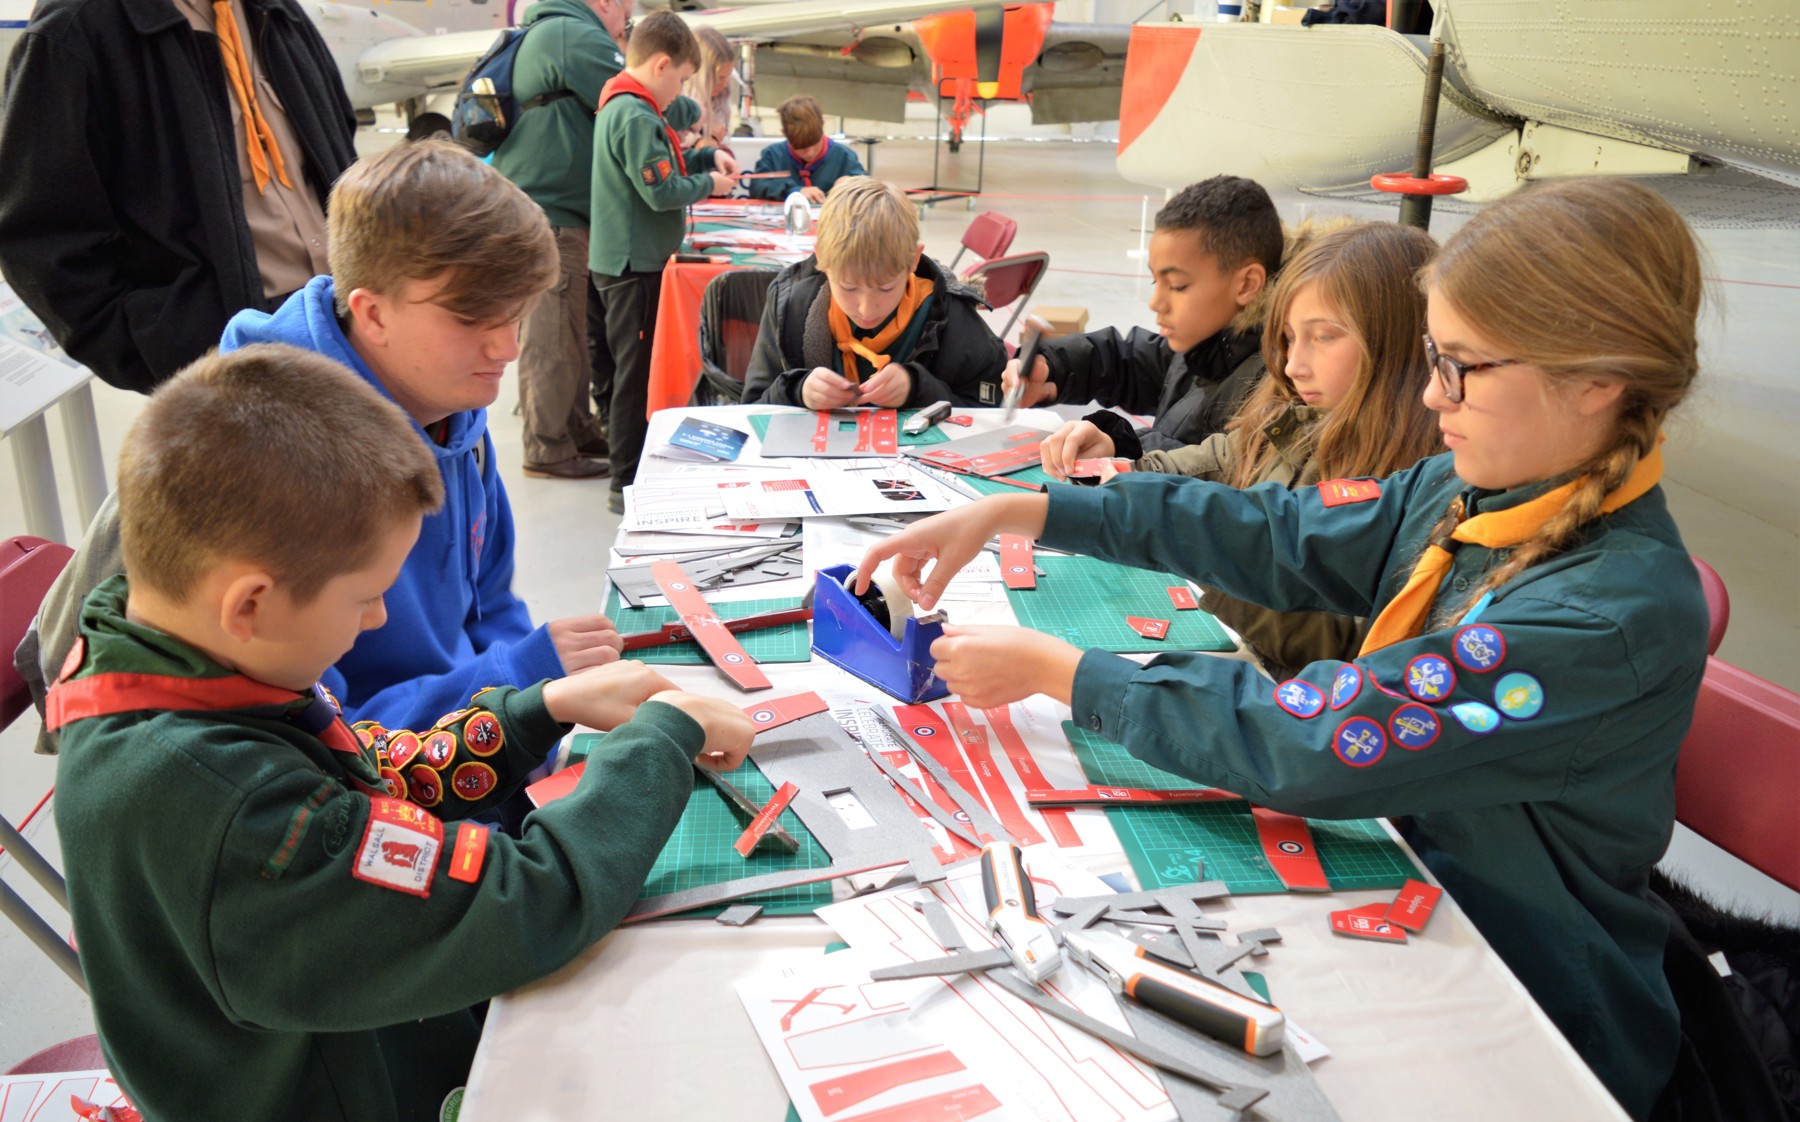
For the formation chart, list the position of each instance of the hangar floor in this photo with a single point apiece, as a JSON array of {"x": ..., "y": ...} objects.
[{"x": 1732, "y": 463}]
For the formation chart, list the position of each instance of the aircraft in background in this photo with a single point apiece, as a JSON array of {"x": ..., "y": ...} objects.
[{"x": 1698, "y": 96}]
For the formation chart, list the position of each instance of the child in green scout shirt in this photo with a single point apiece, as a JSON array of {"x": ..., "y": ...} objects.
[
  {"x": 1539, "y": 634},
  {"x": 279, "y": 917},
  {"x": 869, "y": 319},
  {"x": 642, "y": 185}
]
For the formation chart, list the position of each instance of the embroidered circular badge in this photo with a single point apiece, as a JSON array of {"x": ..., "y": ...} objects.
[
  {"x": 439, "y": 747},
  {"x": 482, "y": 734},
  {"x": 402, "y": 747},
  {"x": 365, "y": 733},
  {"x": 1430, "y": 677},
  {"x": 1302, "y": 699},
  {"x": 393, "y": 782},
  {"x": 323, "y": 694},
  {"x": 1519, "y": 696},
  {"x": 425, "y": 785},
  {"x": 1414, "y": 726},
  {"x": 1346, "y": 686},
  {"x": 450, "y": 718},
  {"x": 1478, "y": 647},
  {"x": 1476, "y": 717},
  {"x": 1359, "y": 742},
  {"x": 472, "y": 781}
]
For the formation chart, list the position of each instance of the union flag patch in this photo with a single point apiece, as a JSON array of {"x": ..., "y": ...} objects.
[{"x": 1338, "y": 492}]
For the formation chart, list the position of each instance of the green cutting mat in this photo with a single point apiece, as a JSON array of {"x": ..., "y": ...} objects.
[
  {"x": 787, "y": 642},
  {"x": 1085, "y": 600},
  {"x": 699, "y": 853},
  {"x": 1165, "y": 844},
  {"x": 933, "y": 435}
]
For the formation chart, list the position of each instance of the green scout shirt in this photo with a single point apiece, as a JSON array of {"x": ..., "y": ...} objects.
[
  {"x": 550, "y": 151},
  {"x": 262, "y": 939},
  {"x": 1281, "y": 642},
  {"x": 640, "y": 197},
  {"x": 1533, "y": 749}
]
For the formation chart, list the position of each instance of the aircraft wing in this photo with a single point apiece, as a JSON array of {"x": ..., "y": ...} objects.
[
  {"x": 1078, "y": 73},
  {"x": 424, "y": 61},
  {"x": 804, "y": 17}
]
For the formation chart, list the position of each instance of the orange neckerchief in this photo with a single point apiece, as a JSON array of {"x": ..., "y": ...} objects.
[
  {"x": 623, "y": 84},
  {"x": 1405, "y": 614},
  {"x": 871, "y": 348},
  {"x": 257, "y": 134}
]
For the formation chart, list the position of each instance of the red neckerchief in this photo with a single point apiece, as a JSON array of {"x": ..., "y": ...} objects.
[
  {"x": 101, "y": 695},
  {"x": 805, "y": 170},
  {"x": 624, "y": 84}
]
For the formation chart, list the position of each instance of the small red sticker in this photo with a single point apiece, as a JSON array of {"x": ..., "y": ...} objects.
[
  {"x": 470, "y": 851},
  {"x": 1414, "y": 905},
  {"x": 1337, "y": 492},
  {"x": 1183, "y": 599},
  {"x": 1148, "y": 628}
]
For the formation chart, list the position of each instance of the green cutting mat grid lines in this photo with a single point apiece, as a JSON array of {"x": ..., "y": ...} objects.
[
  {"x": 933, "y": 435},
  {"x": 787, "y": 642},
  {"x": 1165, "y": 844},
  {"x": 699, "y": 853},
  {"x": 1084, "y": 601}
]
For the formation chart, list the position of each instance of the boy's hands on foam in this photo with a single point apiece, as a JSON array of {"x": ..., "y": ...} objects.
[
  {"x": 1039, "y": 390},
  {"x": 722, "y": 183},
  {"x": 728, "y": 728},
  {"x": 603, "y": 697},
  {"x": 1077, "y": 440},
  {"x": 827, "y": 389},
  {"x": 584, "y": 641},
  {"x": 889, "y": 388}
]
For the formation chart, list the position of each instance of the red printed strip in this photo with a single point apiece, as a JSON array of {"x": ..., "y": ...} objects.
[
  {"x": 999, "y": 796},
  {"x": 846, "y": 1091},
  {"x": 546, "y": 791},
  {"x": 822, "y": 432},
  {"x": 1017, "y": 458},
  {"x": 765, "y": 818},
  {"x": 1148, "y": 628},
  {"x": 1024, "y": 765},
  {"x": 1125, "y": 796},
  {"x": 719, "y": 644},
  {"x": 774, "y": 713},
  {"x": 1367, "y": 922},
  {"x": 1413, "y": 907},
  {"x": 959, "y": 419},
  {"x": 929, "y": 732},
  {"x": 471, "y": 850},
  {"x": 1183, "y": 598},
  {"x": 1016, "y": 566},
  {"x": 953, "y": 848},
  {"x": 877, "y": 430},
  {"x": 959, "y": 1105},
  {"x": 678, "y": 633},
  {"x": 1288, "y": 844},
  {"x": 1337, "y": 492},
  {"x": 1087, "y": 469}
]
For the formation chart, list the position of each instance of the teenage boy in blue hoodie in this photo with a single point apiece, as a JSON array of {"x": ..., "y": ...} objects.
[{"x": 435, "y": 258}]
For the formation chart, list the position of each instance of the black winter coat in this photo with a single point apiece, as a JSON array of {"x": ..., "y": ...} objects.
[{"x": 121, "y": 212}]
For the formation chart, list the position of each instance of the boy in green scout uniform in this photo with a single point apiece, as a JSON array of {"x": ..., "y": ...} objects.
[
  {"x": 1538, "y": 635},
  {"x": 279, "y": 916},
  {"x": 642, "y": 186}
]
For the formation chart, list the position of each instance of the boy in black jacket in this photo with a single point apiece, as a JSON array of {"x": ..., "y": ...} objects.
[
  {"x": 1217, "y": 245},
  {"x": 869, "y": 319}
]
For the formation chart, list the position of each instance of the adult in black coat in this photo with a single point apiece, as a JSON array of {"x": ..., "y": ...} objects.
[{"x": 121, "y": 213}]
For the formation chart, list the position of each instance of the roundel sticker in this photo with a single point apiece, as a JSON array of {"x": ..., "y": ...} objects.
[
  {"x": 1302, "y": 699},
  {"x": 472, "y": 781},
  {"x": 1359, "y": 741},
  {"x": 439, "y": 747},
  {"x": 402, "y": 747},
  {"x": 424, "y": 785},
  {"x": 924, "y": 730},
  {"x": 763, "y": 716},
  {"x": 734, "y": 658},
  {"x": 1291, "y": 848},
  {"x": 394, "y": 782},
  {"x": 482, "y": 734},
  {"x": 1519, "y": 696},
  {"x": 1413, "y": 726},
  {"x": 677, "y": 586},
  {"x": 1478, "y": 647},
  {"x": 1346, "y": 686},
  {"x": 1430, "y": 677},
  {"x": 1476, "y": 717}
]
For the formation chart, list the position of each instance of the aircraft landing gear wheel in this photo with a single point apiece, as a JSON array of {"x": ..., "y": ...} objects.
[{"x": 955, "y": 144}]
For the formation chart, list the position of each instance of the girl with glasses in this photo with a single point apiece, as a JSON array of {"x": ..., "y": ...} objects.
[{"x": 1538, "y": 635}]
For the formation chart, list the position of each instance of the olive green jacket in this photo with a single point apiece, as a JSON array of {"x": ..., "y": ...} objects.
[{"x": 640, "y": 194}]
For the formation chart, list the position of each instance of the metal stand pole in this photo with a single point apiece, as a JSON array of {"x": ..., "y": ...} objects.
[{"x": 1415, "y": 210}]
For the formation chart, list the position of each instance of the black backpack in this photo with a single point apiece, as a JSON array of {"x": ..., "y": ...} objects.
[{"x": 486, "y": 110}]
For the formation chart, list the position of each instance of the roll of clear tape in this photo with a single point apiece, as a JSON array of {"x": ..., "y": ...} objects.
[{"x": 885, "y": 597}]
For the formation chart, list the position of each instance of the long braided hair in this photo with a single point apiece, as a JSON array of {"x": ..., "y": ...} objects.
[{"x": 1586, "y": 278}]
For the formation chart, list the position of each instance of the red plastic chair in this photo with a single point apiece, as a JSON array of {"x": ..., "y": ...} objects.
[
  {"x": 78, "y": 1053},
  {"x": 989, "y": 235},
  {"x": 1009, "y": 279},
  {"x": 1718, "y": 605},
  {"x": 1739, "y": 769}
]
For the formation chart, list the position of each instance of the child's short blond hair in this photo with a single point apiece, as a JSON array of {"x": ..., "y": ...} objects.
[
  {"x": 868, "y": 231},
  {"x": 802, "y": 121},
  {"x": 417, "y": 212},
  {"x": 273, "y": 455}
]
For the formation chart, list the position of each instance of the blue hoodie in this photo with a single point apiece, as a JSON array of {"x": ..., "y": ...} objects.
[{"x": 454, "y": 625}]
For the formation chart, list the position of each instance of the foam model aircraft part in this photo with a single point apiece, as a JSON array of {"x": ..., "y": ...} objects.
[
  {"x": 837, "y": 433},
  {"x": 1013, "y": 448},
  {"x": 725, "y": 651},
  {"x": 1148, "y": 628},
  {"x": 1016, "y": 567},
  {"x": 679, "y": 633},
  {"x": 1183, "y": 598},
  {"x": 1126, "y": 796},
  {"x": 1287, "y": 842},
  {"x": 772, "y": 833},
  {"x": 1413, "y": 907},
  {"x": 974, "y": 809},
  {"x": 712, "y": 570},
  {"x": 1367, "y": 922},
  {"x": 763, "y": 822}
]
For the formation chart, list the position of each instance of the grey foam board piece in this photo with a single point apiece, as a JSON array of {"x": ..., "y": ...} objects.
[
  {"x": 943, "y": 928},
  {"x": 1201, "y": 890},
  {"x": 980, "y": 817},
  {"x": 725, "y": 568},
  {"x": 1170, "y": 950},
  {"x": 820, "y": 759},
  {"x": 1147, "y": 919},
  {"x": 926, "y": 803},
  {"x": 738, "y": 915},
  {"x": 791, "y": 435},
  {"x": 707, "y": 895},
  {"x": 960, "y": 963},
  {"x": 1293, "y": 1094}
]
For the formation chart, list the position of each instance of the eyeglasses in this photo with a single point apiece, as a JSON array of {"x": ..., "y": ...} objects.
[{"x": 1450, "y": 373}]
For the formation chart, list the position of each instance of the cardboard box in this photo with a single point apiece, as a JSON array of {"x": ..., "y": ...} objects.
[
  {"x": 1065, "y": 321},
  {"x": 1287, "y": 15}
]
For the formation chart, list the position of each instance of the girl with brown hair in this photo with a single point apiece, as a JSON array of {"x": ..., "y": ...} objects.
[
  {"x": 1341, "y": 398},
  {"x": 1539, "y": 634}
]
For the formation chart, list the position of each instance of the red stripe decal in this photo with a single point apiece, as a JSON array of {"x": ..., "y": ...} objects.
[
  {"x": 1062, "y": 830},
  {"x": 999, "y": 795},
  {"x": 764, "y": 819},
  {"x": 719, "y": 644}
]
